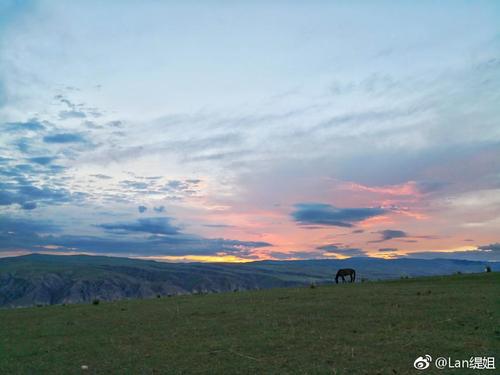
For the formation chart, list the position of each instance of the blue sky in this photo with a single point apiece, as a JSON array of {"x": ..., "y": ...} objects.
[{"x": 250, "y": 130}]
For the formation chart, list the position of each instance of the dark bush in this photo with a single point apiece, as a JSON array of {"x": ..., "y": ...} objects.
[{"x": 95, "y": 302}]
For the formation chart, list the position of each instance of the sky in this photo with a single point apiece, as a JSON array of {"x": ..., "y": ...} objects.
[{"x": 243, "y": 131}]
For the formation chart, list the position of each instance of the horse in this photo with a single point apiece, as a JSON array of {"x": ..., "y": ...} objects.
[{"x": 345, "y": 272}]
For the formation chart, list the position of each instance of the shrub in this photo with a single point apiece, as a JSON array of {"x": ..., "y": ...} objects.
[
  {"x": 312, "y": 285},
  {"x": 95, "y": 302}
]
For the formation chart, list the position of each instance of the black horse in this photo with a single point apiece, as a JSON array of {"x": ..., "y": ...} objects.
[{"x": 345, "y": 272}]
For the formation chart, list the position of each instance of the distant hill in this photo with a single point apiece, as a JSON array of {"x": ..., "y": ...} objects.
[{"x": 52, "y": 279}]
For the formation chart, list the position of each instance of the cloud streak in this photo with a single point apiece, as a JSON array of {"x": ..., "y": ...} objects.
[
  {"x": 487, "y": 253},
  {"x": 333, "y": 249},
  {"x": 161, "y": 239},
  {"x": 64, "y": 138},
  {"x": 325, "y": 214},
  {"x": 389, "y": 234},
  {"x": 152, "y": 225}
]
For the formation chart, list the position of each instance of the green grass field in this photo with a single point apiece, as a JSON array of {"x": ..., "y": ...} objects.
[{"x": 370, "y": 328}]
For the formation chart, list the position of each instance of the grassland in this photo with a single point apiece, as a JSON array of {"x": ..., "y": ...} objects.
[{"x": 370, "y": 328}]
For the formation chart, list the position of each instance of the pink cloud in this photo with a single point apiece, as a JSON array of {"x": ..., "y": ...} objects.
[{"x": 409, "y": 188}]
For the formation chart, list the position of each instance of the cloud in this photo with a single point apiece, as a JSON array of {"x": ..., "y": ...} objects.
[
  {"x": 46, "y": 193},
  {"x": 27, "y": 195},
  {"x": 334, "y": 249},
  {"x": 176, "y": 245},
  {"x": 186, "y": 149},
  {"x": 64, "y": 138},
  {"x": 11, "y": 226},
  {"x": 178, "y": 186},
  {"x": 387, "y": 249},
  {"x": 43, "y": 160},
  {"x": 115, "y": 124},
  {"x": 28, "y": 205},
  {"x": 63, "y": 115},
  {"x": 494, "y": 247},
  {"x": 154, "y": 185},
  {"x": 4, "y": 159},
  {"x": 329, "y": 247},
  {"x": 408, "y": 188},
  {"x": 365, "y": 117},
  {"x": 25, "y": 234},
  {"x": 153, "y": 225},
  {"x": 135, "y": 185},
  {"x": 297, "y": 255},
  {"x": 31, "y": 125},
  {"x": 23, "y": 144},
  {"x": 142, "y": 209},
  {"x": 101, "y": 176},
  {"x": 488, "y": 253},
  {"x": 218, "y": 225},
  {"x": 390, "y": 234},
  {"x": 238, "y": 243},
  {"x": 7, "y": 198},
  {"x": 325, "y": 214}
]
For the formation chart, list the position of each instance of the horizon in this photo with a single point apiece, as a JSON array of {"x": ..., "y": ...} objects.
[
  {"x": 219, "y": 132},
  {"x": 160, "y": 260}
]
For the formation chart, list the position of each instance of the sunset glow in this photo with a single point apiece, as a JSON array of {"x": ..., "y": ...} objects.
[{"x": 187, "y": 132}]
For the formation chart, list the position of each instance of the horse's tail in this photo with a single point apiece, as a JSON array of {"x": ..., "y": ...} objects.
[
  {"x": 337, "y": 278},
  {"x": 353, "y": 275}
]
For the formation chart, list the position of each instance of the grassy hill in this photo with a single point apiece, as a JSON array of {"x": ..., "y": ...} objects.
[{"x": 368, "y": 328}]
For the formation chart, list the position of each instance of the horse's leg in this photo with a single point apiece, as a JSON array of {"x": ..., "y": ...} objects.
[{"x": 343, "y": 279}]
